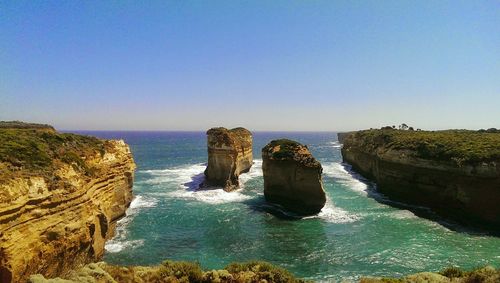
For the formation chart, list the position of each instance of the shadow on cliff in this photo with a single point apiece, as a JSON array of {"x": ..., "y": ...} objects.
[{"x": 420, "y": 211}]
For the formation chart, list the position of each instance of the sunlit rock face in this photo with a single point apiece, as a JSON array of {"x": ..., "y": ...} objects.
[
  {"x": 292, "y": 177},
  {"x": 57, "y": 214},
  {"x": 229, "y": 155},
  {"x": 425, "y": 169}
]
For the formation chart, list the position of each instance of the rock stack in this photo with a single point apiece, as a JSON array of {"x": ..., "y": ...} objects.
[
  {"x": 229, "y": 155},
  {"x": 292, "y": 177}
]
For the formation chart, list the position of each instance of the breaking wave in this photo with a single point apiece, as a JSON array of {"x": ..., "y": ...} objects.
[
  {"x": 119, "y": 242},
  {"x": 350, "y": 179}
]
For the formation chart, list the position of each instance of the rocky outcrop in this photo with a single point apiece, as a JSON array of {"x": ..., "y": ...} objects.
[
  {"x": 229, "y": 155},
  {"x": 455, "y": 173},
  {"x": 60, "y": 197},
  {"x": 292, "y": 177},
  {"x": 341, "y": 136}
]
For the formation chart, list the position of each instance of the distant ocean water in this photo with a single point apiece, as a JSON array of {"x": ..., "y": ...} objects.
[{"x": 354, "y": 235}]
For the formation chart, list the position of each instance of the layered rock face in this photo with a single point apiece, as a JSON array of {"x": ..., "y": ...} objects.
[
  {"x": 60, "y": 197},
  {"x": 456, "y": 173},
  {"x": 229, "y": 155},
  {"x": 292, "y": 177}
]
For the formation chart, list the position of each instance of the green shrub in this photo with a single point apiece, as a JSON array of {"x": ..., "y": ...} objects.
[
  {"x": 452, "y": 272},
  {"x": 182, "y": 270},
  {"x": 263, "y": 271},
  {"x": 461, "y": 146}
]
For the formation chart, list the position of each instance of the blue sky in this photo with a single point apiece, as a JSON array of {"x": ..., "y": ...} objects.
[{"x": 264, "y": 65}]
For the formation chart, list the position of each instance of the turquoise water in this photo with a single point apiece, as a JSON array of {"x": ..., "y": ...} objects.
[{"x": 354, "y": 235}]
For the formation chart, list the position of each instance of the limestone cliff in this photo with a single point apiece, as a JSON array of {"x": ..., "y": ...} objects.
[
  {"x": 456, "y": 173},
  {"x": 60, "y": 196},
  {"x": 342, "y": 135},
  {"x": 292, "y": 177},
  {"x": 229, "y": 155}
]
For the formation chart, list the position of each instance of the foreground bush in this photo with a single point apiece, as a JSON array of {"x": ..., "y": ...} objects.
[
  {"x": 175, "y": 271},
  {"x": 449, "y": 275}
]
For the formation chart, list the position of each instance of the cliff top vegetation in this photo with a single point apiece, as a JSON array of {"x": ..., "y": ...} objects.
[
  {"x": 31, "y": 150},
  {"x": 285, "y": 149},
  {"x": 238, "y": 136},
  {"x": 461, "y": 146},
  {"x": 23, "y": 125}
]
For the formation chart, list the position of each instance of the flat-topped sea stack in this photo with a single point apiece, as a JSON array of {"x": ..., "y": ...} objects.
[
  {"x": 454, "y": 172},
  {"x": 60, "y": 197},
  {"x": 292, "y": 177},
  {"x": 229, "y": 155}
]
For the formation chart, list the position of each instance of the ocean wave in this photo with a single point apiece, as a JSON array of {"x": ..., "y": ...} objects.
[
  {"x": 113, "y": 246},
  {"x": 187, "y": 175},
  {"x": 188, "y": 179},
  {"x": 210, "y": 195},
  {"x": 335, "y": 144},
  {"x": 119, "y": 241},
  {"x": 348, "y": 178},
  {"x": 331, "y": 213},
  {"x": 255, "y": 172}
]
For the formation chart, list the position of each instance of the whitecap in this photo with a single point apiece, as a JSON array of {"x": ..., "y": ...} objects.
[
  {"x": 191, "y": 175},
  {"x": 255, "y": 172},
  {"x": 331, "y": 213},
  {"x": 114, "y": 246},
  {"x": 119, "y": 241},
  {"x": 142, "y": 202},
  {"x": 210, "y": 195},
  {"x": 188, "y": 179},
  {"x": 348, "y": 178},
  {"x": 335, "y": 144}
]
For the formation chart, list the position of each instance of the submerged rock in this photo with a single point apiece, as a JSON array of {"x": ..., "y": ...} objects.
[
  {"x": 229, "y": 155},
  {"x": 292, "y": 177}
]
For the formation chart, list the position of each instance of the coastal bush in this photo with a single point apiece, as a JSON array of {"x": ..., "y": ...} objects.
[
  {"x": 486, "y": 274},
  {"x": 452, "y": 272},
  {"x": 286, "y": 148},
  {"x": 39, "y": 150},
  {"x": 461, "y": 146},
  {"x": 182, "y": 270},
  {"x": 256, "y": 271}
]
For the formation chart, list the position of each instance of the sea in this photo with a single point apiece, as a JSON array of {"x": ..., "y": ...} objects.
[{"x": 358, "y": 233}]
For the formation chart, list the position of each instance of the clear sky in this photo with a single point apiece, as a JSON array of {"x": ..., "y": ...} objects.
[{"x": 264, "y": 65}]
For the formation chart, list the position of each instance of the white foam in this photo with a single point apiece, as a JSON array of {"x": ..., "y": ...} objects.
[
  {"x": 114, "y": 246},
  {"x": 210, "y": 195},
  {"x": 141, "y": 201},
  {"x": 331, "y": 213},
  {"x": 177, "y": 175},
  {"x": 335, "y": 144},
  {"x": 403, "y": 214},
  {"x": 350, "y": 179},
  {"x": 255, "y": 172},
  {"x": 188, "y": 178},
  {"x": 119, "y": 241}
]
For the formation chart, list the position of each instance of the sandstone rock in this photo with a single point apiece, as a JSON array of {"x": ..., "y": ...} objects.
[
  {"x": 425, "y": 168},
  {"x": 229, "y": 155},
  {"x": 57, "y": 215},
  {"x": 292, "y": 177}
]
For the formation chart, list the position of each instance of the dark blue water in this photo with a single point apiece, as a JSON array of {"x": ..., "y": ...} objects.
[{"x": 354, "y": 235}]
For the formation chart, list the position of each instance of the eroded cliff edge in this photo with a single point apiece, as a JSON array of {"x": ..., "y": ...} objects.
[
  {"x": 60, "y": 197},
  {"x": 454, "y": 172},
  {"x": 292, "y": 177},
  {"x": 229, "y": 155}
]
